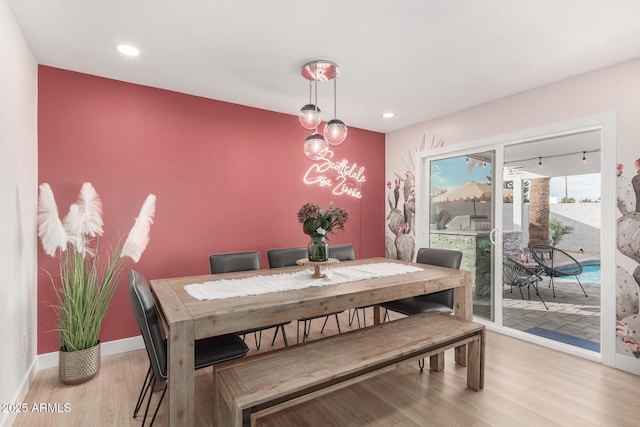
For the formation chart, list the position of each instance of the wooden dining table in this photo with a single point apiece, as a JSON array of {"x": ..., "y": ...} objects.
[{"x": 188, "y": 319}]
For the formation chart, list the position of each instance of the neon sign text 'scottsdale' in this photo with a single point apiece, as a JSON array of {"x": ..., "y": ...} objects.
[{"x": 342, "y": 177}]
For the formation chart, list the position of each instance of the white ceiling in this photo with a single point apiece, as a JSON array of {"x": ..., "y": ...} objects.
[{"x": 419, "y": 58}]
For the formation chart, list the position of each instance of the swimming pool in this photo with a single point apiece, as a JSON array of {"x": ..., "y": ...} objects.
[{"x": 590, "y": 273}]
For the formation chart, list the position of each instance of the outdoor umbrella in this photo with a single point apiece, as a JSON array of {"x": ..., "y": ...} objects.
[{"x": 471, "y": 191}]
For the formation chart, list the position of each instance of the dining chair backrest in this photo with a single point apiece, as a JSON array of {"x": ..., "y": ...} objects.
[
  {"x": 235, "y": 261},
  {"x": 342, "y": 252},
  {"x": 441, "y": 258},
  {"x": 144, "y": 311},
  {"x": 286, "y": 257}
]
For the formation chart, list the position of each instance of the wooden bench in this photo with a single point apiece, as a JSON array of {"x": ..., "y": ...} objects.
[{"x": 252, "y": 387}]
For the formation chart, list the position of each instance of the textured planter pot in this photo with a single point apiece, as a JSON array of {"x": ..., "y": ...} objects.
[{"x": 76, "y": 367}]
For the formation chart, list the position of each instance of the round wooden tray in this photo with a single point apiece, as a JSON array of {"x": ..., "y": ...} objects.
[{"x": 317, "y": 274}]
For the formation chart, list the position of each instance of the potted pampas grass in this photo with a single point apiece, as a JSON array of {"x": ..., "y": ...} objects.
[{"x": 88, "y": 279}]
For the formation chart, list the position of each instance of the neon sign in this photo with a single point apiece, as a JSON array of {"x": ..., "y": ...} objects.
[{"x": 341, "y": 177}]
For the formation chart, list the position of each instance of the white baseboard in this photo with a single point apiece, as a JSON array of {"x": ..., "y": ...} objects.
[
  {"x": 7, "y": 419},
  {"x": 50, "y": 360},
  {"x": 626, "y": 363}
]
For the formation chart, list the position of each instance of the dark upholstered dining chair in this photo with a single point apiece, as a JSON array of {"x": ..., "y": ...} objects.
[
  {"x": 244, "y": 261},
  {"x": 235, "y": 261},
  {"x": 287, "y": 257},
  {"x": 437, "y": 301},
  {"x": 342, "y": 252},
  {"x": 208, "y": 351}
]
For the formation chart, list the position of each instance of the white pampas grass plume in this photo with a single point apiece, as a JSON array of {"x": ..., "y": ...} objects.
[
  {"x": 72, "y": 224},
  {"x": 90, "y": 208},
  {"x": 50, "y": 229},
  {"x": 138, "y": 238}
]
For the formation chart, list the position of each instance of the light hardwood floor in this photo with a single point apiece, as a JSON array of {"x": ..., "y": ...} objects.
[{"x": 525, "y": 385}]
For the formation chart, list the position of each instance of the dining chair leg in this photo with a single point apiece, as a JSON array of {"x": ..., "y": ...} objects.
[
  {"x": 354, "y": 315},
  {"x": 143, "y": 391},
  {"x": 324, "y": 324},
  {"x": 307, "y": 330},
  {"x": 158, "y": 407},
  {"x": 257, "y": 337},
  {"x": 146, "y": 411}
]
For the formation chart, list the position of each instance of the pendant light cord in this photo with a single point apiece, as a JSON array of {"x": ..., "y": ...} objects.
[{"x": 316, "y": 95}]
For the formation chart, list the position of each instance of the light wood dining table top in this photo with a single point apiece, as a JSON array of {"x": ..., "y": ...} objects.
[{"x": 188, "y": 319}]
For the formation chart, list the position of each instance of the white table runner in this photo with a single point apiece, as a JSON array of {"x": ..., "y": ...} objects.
[{"x": 258, "y": 285}]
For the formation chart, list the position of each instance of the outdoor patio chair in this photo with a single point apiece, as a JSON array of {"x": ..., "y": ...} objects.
[
  {"x": 516, "y": 274},
  {"x": 555, "y": 262}
]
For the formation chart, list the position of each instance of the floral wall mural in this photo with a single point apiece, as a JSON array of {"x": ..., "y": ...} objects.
[
  {"x": 401, "y": 205},
  {"x": 627, "y": 282}
]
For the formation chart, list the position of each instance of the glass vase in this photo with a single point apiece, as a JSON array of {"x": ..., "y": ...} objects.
[{"x": 318, "y": 249}]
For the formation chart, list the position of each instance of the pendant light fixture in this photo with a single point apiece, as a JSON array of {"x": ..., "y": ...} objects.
[
  {"x": 310, "y": 114},
  {"x": 335, "y": 131}
]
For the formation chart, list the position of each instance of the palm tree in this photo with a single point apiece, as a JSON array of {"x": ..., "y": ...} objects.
[{"x": 539, "y": 212}]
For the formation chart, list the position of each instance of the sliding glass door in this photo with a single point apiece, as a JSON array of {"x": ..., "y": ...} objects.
[
  {"x": 494, "y": 199},
  {"x": 460, "y": 216}
]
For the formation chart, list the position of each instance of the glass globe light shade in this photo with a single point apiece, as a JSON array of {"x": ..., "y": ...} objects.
[
  {"x": 309, "y": 116},
  {"x": 315, "y": 147},
  {"x": 335, "y": 132}
]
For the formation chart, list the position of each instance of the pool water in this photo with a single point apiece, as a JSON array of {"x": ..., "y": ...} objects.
[{"x": 590, "y": 273}]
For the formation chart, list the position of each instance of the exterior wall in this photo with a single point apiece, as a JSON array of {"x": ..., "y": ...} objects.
[
  {"x": 583, "y": 217},
  {"x": 585, "y": 220},
  {"x": 475, "y": 256}
]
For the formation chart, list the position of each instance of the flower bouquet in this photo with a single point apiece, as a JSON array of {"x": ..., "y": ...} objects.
[{"x": 317, "y": 224}]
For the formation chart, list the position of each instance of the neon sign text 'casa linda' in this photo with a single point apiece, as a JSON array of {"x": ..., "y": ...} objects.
[{"x": 341, "y": 177}]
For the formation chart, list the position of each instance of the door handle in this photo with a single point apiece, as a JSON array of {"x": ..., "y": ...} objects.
[{"x": 492, "y": 236}]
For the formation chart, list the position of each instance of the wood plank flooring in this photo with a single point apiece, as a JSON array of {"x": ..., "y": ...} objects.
[{"x": 526, "y": 385}]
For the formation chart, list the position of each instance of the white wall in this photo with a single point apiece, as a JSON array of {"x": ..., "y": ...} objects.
[
  {"x": 18, "y": 198},
  {"x": 585, "y": 220},
  {"x": 616, "y": 88}
]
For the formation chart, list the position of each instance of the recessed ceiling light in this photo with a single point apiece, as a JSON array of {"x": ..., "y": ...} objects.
[
  {"x": 128, "y": 50},
  {"x": 388, "y": 115}
]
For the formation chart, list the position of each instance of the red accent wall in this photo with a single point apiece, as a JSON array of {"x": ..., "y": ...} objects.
[{"x": 227, "y": 178}]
